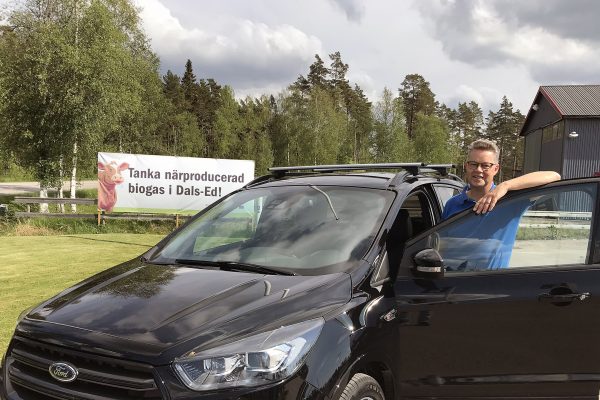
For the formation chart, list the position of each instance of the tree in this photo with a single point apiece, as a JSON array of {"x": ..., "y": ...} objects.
[
  {"x": 337, "y": 72},
  {"x": 180, "y": 134},
  {"x": 73, "y": 71},
  {"x": 317, "y": 75},
  {"x": 307, "y": 128},
  {"x": 278, "y": 130},
  {"x": 503, "y": 127},
  {"x": 189, "y": 86},
  {"x": 417, "y": 98},
  {"x": 389, "y": 142},
  {"x": 209, "y": 101},
  {"x": 466, "y": 125},
  {"x": 227, "y": 125},
  {"x": 173, "y": 90},
  {"x": 359, "y": 123},
  {"x": 320, "y": 143},
  {"x": 431, "y": 139},
  {"x": 254, "y": 142}
]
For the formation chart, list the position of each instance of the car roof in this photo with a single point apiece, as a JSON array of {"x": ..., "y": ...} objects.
[{"x": 374, "y": 180}]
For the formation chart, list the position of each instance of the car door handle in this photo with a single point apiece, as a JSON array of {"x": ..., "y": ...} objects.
[{"x": 564, "y": 297}]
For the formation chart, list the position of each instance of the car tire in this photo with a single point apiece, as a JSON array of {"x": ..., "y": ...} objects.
[{"x": 362, "y": 387}]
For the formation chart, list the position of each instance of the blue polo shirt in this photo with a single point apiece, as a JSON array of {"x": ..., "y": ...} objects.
[
  {"x": 459, "y": 203},
  {"x": 483, "y": 241}
]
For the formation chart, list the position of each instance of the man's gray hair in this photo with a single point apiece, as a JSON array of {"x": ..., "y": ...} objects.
[{"x": 484, "y": 144}]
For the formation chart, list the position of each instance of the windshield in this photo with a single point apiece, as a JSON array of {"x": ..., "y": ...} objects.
[{"x": 303, "y": 229}]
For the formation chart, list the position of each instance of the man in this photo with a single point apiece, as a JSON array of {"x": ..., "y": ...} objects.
[
  {"x": 485, "y": 241},
  {"x": 481, "y": 193}
]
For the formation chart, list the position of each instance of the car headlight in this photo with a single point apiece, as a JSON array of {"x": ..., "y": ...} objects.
[{"x": 256, "y": 360}]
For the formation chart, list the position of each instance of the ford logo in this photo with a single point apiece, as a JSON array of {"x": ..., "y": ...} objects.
[{"x": 62, "y": 371}]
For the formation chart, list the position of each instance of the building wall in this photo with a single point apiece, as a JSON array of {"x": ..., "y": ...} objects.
[
  {"x": 582, "y": 154},
  {"x": 533, "y": 145},
  {"x": 552, "y": 147},
  {"x": 545, "y": 115}
]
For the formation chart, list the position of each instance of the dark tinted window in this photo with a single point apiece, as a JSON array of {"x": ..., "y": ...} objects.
[{"x": 549, "y": 227}]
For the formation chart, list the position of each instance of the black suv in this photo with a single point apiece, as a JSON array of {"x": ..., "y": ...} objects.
[{"x": 322, "y": 282}]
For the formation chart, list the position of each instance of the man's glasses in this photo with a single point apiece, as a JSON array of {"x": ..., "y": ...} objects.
[{"x": 484, "y": 166}]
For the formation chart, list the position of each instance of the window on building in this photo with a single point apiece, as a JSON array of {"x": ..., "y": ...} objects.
[{"x": 553, "y": 132}]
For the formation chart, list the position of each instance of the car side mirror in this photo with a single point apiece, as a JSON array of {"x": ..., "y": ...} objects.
[{"x": 428, "y": 264}]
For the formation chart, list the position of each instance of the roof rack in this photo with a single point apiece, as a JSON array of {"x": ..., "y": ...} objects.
[
  {"x": 408, "y": 171},
  {"x": 442, "y": 169},
  {"x": 412, "y": 168}
]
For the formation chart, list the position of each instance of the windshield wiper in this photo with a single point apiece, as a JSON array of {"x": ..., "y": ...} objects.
[{"x": 234, "y": 265}]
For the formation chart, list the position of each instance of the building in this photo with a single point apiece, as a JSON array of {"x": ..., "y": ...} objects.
[{"x": 562, "y": 131}]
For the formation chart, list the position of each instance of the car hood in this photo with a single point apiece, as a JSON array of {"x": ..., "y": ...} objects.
[{"x": 148, "y": 308}]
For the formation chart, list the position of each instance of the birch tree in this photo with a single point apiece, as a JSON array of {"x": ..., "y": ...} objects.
[
  {"x": 71, "y": 74},
  {"x": 389, "y": 141}
]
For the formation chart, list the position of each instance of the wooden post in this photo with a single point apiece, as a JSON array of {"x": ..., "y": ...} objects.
[
  {"x": 101, "y": 220},
  {"x": 176, "y": 220}
]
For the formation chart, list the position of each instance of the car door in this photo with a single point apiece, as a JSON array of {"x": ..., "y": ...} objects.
[{"x": 526, "y": 327}]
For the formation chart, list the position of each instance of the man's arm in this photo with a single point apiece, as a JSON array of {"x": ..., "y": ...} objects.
[{"x": 488, "y": 201}]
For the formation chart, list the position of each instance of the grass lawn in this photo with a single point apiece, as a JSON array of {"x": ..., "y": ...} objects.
[{"x": 33, "y": 268}]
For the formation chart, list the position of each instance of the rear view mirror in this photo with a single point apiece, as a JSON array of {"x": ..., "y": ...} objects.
[{"x": 429, "y": 264}]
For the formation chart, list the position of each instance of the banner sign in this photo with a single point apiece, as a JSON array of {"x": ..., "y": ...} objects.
[{"x": 146, "y": 183}]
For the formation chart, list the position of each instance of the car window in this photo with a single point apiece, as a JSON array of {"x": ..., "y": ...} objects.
[
  {"x": 444, "y": 193},
  {"x": 300, "y": 228},
  {"x": 237, "y": 225},
  {"x": 548, "y": 227},
  {"x": 414, "y": 217},
  {"x": 418, "y": 208}
]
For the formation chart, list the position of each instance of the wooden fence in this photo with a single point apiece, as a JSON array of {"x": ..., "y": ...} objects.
[{"x": 100, "y": 216}]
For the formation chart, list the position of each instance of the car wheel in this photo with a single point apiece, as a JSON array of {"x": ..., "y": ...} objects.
[{"x": 362, "y": 387}]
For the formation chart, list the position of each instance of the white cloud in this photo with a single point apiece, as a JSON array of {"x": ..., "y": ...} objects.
[
  {"x": 491, "y": 33},
  {"x": 366, "y": 83},
  {"x": 486, "y": 97},
  {"x": 467, "y": 93},
  {"x": 242, "y": 53},
  {"x": 490, "y": 47}
]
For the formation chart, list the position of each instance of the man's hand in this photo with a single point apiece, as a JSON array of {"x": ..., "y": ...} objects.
[{"x": 489, "y": 200}]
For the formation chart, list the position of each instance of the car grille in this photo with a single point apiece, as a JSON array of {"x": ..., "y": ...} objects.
[{"x": 100, "y": 378}]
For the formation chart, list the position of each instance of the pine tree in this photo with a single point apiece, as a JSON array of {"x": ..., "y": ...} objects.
[
  {"x": 190, "y": 87},
  {"x": 417, "y": 98},
  {"x": 466, "y": 125},
  {"x": 317, "y": 75},
  {"x": 337, "y": 72},
  {"x": 173, "y": 90},
  {"x": 503, "y": 127},
  {"x": 254, "y": 141},
  {"x": 227, "y": 125}
]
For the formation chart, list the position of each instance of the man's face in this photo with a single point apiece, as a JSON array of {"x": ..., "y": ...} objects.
[{"x": 481, "y": 167}]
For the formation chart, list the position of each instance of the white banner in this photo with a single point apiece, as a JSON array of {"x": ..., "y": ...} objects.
[{"x": 145, "y": 183}]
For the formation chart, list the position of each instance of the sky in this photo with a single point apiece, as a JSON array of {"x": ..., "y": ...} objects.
[{"x": 467, "y": 49}]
